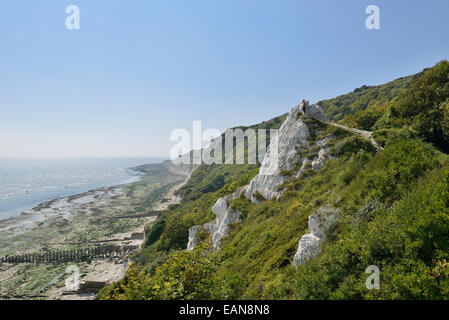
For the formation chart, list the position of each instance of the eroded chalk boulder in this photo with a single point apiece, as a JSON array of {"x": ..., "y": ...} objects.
[
  {"x": 309, "y": 245},
  {"x": 219, "y": 228}
]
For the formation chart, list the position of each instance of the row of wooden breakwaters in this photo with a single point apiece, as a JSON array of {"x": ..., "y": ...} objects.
[{"x": 75, "y": 255}]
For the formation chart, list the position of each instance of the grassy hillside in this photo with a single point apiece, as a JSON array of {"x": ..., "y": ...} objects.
[
  {"x": 419, "y": 103},
  {"x": 169, "y": 233},
  {"x": 350, "y": 108},
  {"x": 389, "y": 209}
]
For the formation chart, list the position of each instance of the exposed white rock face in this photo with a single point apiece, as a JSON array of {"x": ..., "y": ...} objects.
[
  {"x": 225, "y": 216},
  {"x": 315, "y": 111},
  {"x": 305, "y": 161},
  {"x": 319, "y": 161},
  {"x": 192, "y": 233},
  {"x": 193, "y": 241},
  {"x": 293, "y": 135},
  {"x": 218, "y": 229},
  {"x": 309, "y": 245}
]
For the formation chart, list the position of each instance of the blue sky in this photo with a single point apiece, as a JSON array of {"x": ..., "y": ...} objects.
[{"x": 138, "y": 69}]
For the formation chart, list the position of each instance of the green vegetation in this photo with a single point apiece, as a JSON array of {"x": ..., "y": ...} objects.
[
  {"x": 360, "y": 107},
  {"x": 418, "y": 103},
  {"x": 184, "y": 275},
  {"x": 408, "y": 241},
  {"x": 424, "y": 107},
  {"x": 388, "y": 208}
]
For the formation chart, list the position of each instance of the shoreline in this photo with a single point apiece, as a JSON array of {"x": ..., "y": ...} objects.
[
  {"x": 34, "y": 210},
  {"x": 110, "y": 272},
  {"x": 34, "y": 217},
  {"x": 80, "y": 220}
]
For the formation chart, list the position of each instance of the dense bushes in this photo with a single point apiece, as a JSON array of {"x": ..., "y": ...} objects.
[
  {"x": 364, "y": 106},
  {"x": 154, "y": 232},
  {"x": 351, "y": 145},
  {"x": 409, "y": 242},
  {"x": 424, "y": 106},
  {"x": 399, "y": 166},
  {"x": 185, "y": 275},
  {"x": 419, "y": 102}
]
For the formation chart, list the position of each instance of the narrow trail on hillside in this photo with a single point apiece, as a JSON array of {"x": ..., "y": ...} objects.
[{"x": 365, "y": 134}]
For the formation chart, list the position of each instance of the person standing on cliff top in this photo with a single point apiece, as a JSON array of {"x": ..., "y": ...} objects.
[{"x": 304, "y": 105}]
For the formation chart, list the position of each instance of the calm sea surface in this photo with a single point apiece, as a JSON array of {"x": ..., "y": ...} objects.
[{"x": 27, "y": 183}]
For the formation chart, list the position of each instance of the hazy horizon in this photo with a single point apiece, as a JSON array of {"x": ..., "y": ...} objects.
[
  {"x": 134, "y": 72},
  {"x": 26, "y": 183},
  {"x": 81, "y": 157}
]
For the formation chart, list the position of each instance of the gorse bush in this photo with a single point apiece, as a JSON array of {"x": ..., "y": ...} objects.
[
  {"x": 185, "y": 275},
  {"x": 423, "y": 106},
  {"x": 409, "y": 243},
  {"x": 419, "y": 102},
  {"x": 399, "y": 166},
  {"x": 363, "y": 107}
]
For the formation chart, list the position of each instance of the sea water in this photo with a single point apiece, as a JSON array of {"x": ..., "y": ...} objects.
[{"x": 25, "y": 183}]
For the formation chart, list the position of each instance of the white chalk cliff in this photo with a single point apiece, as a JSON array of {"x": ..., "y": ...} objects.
[
  {"x": 281, "y": 155},
  {"x": 281, "y": 152}
]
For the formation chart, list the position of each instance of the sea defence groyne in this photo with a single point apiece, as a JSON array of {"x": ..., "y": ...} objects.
[{"x": 76, "y": 255}]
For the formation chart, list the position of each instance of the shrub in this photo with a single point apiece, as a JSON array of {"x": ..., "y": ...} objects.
[
  {"x": 352, "y": 145},
  {"x": 420, "y": 106},
  {"x": 185, "y": 275},
  {"x": 408, "y": 242},
  {"x": 154, "y": 231},
  {"x": 259, "y": 196}
]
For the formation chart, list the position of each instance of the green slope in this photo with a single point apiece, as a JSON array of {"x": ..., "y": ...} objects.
[
  {"x": 350, "y": 108},
  {"x": 419, "y": 103},
  {"x": 391, "y": 209}
]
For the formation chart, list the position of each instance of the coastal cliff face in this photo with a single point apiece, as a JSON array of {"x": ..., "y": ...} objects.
[
  {"x": 179, "y": 168},
  {"x": 365, "y": 191},
  {"x": 293, "y": 135},
  {"x": 282, "y": 155}
]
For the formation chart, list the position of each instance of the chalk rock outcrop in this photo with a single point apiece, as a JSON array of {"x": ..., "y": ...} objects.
[
  {"x": 193, "y": 231},
  {"x": 316, "y": 112},
  {"x": 319, "y": 161},
  {"x": 224, "y": 217},
  {"x": 309, "y": 245},
  {"x": 293, "y": 135}
]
